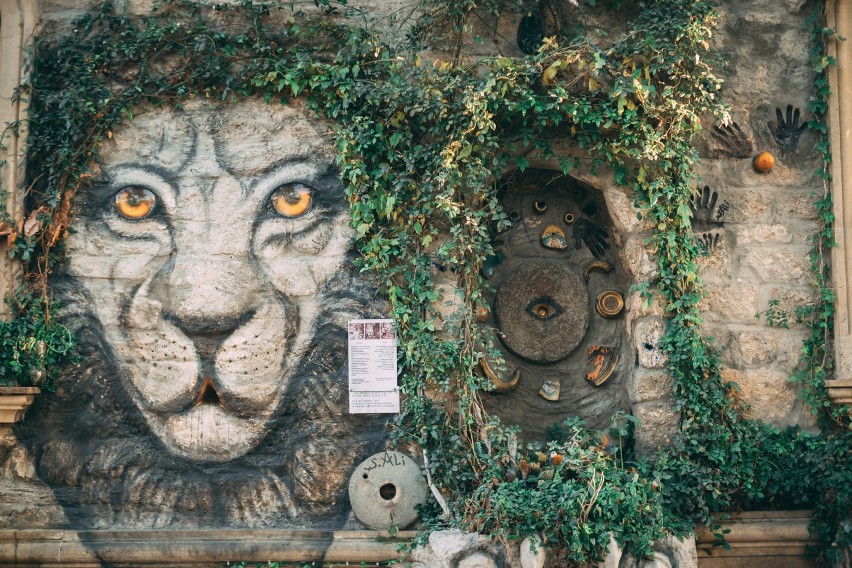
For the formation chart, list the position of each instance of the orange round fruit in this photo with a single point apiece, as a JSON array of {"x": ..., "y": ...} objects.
[{"x": 764, "y": 162}]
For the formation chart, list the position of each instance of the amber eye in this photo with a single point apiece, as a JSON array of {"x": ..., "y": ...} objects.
[
  {"x": 134, "y": 202},
  {"x": 292, "y": 199},
  {"x": 543, "y": 311},
  {"x": 544, "y": 308}
]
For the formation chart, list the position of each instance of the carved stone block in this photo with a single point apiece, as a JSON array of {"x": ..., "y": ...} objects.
[{"x": 648, "y": 336}]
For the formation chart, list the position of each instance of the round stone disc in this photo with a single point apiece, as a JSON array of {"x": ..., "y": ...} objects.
[
  {"x": 542, "y": 311},
  {"x": 385, "y": 488}
]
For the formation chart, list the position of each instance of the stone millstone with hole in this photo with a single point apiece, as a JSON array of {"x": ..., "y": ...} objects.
[{"x": 385, "y": 489}]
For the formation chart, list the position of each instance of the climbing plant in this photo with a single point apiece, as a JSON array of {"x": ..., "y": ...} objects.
[{"x": 421, "y": 142}]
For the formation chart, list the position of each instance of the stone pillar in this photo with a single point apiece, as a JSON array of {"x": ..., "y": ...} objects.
[
  {"x": 18, "y": 19},
  {"x": 839, "y": 14},
  {"x": 840, "y": 128}
]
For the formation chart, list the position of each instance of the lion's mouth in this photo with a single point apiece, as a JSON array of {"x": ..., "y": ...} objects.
[
  {"x": 240, "y": 372},
  {"x": 207, "y": 394},
  {"x": 207, "y": 346}
]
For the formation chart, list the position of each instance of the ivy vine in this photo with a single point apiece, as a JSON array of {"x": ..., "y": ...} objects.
[{"x": 421, "y": 144}]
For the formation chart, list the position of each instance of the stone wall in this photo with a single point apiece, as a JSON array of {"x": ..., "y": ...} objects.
[
  {"x": 757, "y": 227},
  {"x": 192, "y": 272},
  {"x": 764, "y": 220}
]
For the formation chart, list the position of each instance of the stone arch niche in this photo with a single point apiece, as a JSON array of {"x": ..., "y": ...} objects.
[{"x": 557, "y": 306}]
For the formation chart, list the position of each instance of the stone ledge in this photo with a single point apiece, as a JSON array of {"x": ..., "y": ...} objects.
[
  {"x": 771, "y": 539},
  {"x": 200, "y": 547},
  {"x": 840, "y": 391},
  {"x": 14, "y": 402}
]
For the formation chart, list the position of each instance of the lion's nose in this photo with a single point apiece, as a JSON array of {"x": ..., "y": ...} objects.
[
  {"x": 210, "y": 288},
  {"x": 208, "y": 333},
  {"x": 220, "y": 324}
]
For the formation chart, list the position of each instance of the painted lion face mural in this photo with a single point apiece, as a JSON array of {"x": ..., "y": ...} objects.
[
  {"x": 208, "y": 253},
  {"x": 209, "y": 282}
]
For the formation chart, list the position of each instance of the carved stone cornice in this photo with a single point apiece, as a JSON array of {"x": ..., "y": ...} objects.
[
  {"x": 14, "y": 402},
  {"x": 758, "y": 538}
]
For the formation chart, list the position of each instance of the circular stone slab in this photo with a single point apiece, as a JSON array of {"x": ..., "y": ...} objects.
[
  {"x": 542, "y": 311},
  {"x": 385, "y": 488}
]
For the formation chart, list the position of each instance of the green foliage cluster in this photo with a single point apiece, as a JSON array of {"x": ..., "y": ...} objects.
[
  {"x": 33, "y": 345},
  {"x": 421, "y": 145},
  {"x": 575, "y": 491},
  {"x": 321, "y": 564}
]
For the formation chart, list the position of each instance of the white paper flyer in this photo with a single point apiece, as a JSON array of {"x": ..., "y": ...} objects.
[{"x": 372, "y": 367}]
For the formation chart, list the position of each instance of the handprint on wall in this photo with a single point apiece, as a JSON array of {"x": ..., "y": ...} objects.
[
  {"x": 710, "y": 240},
  {"x": 733, "y": 142},
  {"x": 787, "y": 132},
  {"x": 592, "y": 235},
  {"x": 707, "y": 215},
  {"x": 707, "y": 212}
]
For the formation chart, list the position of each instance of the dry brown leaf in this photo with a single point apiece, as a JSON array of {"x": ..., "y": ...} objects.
[
  {"x": 33, "y": 224},
  {"x": 60, "y": 219}
]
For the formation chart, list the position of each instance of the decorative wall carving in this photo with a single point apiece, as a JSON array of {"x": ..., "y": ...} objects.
[
  {"x": 530, "y": 34},
  {"x": 558, "y": 328},
  {"x": 385, "y": 490},
  {"x": 731, "y": 141}
]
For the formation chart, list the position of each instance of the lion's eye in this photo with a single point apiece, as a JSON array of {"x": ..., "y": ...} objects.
[
  {"x": 134, "y": 202},
  {"x": 292, "y": 199}
]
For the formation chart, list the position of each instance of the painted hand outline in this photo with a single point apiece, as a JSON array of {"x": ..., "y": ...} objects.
[
  {"x": 787, "y": 132},
  {"x": 707, "y": 212}
]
